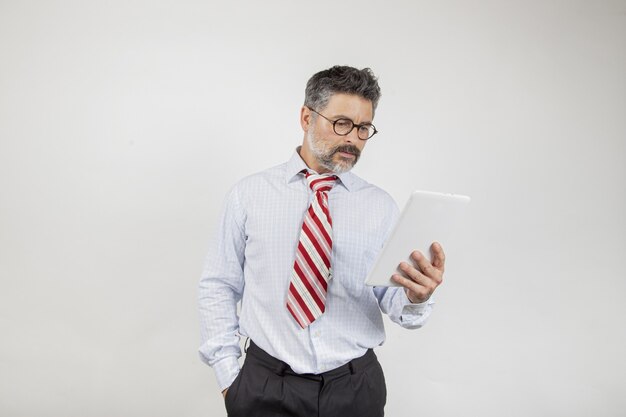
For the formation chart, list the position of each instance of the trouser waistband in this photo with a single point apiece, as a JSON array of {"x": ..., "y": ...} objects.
[{"x": 281, "y": 368}]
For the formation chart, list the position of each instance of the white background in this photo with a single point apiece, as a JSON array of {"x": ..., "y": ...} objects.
[{"x": 124, "y": 123}]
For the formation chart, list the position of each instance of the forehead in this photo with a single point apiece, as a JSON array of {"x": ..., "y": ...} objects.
[{"x": 351, "y": 106}]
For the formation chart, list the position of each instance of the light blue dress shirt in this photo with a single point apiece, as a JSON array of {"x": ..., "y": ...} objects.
[{"x": 251, "y": 260}]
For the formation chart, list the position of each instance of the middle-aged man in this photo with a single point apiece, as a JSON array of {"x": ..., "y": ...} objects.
[{"x": 294, "y": 244}]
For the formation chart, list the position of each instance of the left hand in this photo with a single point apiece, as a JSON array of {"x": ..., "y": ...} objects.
[{"x": 423, "y": 277}]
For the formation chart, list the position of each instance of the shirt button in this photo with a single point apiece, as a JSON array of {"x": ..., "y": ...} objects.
[{"x": 316, "y": 334}]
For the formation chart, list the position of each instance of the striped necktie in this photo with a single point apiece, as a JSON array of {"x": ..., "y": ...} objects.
[{"x": 306, "y": 299}]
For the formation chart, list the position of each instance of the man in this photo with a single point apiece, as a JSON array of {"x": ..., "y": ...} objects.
[{"x": 294, "y": 245}]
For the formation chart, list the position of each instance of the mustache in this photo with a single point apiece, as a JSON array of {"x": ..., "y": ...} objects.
[{"x": 348, "y": 149}]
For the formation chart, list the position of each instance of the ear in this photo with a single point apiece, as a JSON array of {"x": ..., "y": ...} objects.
[{"x": 305, "y": 118}]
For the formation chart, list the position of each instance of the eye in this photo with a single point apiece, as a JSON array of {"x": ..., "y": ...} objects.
[{"x": 343, "y": 124}]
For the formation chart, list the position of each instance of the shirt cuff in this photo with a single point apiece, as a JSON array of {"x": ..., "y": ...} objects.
[
  {"x": 226, "y": 370},
  {"x": 414, "y": 315},
  {"x": 415, "y": 308}
]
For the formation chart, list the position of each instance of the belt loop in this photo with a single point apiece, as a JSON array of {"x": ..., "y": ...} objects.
[{"x": 351, "y": 366}]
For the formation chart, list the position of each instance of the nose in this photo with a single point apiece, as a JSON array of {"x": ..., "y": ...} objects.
[{"x": 353, "y": 136}]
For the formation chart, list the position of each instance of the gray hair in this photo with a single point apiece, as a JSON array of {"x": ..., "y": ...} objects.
[{"x": 341, "y": 79}]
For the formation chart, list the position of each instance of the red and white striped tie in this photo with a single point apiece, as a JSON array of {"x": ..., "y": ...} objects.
[{"x": 306, "y": 299}]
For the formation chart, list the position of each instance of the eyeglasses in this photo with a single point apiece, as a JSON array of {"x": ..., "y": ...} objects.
[{"x": 343, "y": 127}]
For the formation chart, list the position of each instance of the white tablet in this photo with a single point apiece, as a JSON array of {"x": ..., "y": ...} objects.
[{"x": 427, "y": 217}]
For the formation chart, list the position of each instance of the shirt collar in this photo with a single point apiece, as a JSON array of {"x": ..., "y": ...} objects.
[{"x": 296, "y": 164}]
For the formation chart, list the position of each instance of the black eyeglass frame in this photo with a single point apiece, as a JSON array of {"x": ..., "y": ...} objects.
[{"x": 334, "y": 123}]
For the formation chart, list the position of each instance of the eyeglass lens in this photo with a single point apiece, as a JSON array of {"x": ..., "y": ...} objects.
[{"x": 345, "y": 126}]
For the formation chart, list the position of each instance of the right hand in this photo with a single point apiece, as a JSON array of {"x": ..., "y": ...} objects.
[{"x": 224, "y": 392}]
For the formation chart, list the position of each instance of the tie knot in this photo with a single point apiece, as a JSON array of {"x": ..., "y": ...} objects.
[{"x": 321, "y": 182}]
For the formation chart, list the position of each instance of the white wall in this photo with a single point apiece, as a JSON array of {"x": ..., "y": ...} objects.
[{"x": 123, "y": 123}]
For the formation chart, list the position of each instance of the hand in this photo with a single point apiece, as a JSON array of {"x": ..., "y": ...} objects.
[
  {"x": 423, "y": 277},
  {"x": 224, "y": 393}
]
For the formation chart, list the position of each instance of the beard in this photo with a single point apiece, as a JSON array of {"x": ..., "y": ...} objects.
[{"x": 325, "y": 154}]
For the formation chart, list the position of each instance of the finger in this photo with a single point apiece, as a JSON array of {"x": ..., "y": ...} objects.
[
  {"x": 420, "y": 292},
  {"x": 438, "y": 256},
  {"x": 424, "y": 265},
  {"x": 430, "y": 283},
  {"x": 413, "y": 274}
]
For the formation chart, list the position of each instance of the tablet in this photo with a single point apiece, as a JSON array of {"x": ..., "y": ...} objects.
[{"x": 426, "y": 218}]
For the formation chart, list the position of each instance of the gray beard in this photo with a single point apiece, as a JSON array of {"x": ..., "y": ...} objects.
[{"x": 325, "y": 156}]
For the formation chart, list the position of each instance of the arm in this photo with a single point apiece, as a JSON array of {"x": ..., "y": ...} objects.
[{"x": 220, "y": 288}]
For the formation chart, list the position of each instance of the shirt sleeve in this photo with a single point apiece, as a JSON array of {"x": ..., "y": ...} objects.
[
  {"x": 220, "y": 289},
  {"x": 394, "y": 302}
]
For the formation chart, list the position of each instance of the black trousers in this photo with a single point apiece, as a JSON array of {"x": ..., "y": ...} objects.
[{"x": 268, "y": 387}]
